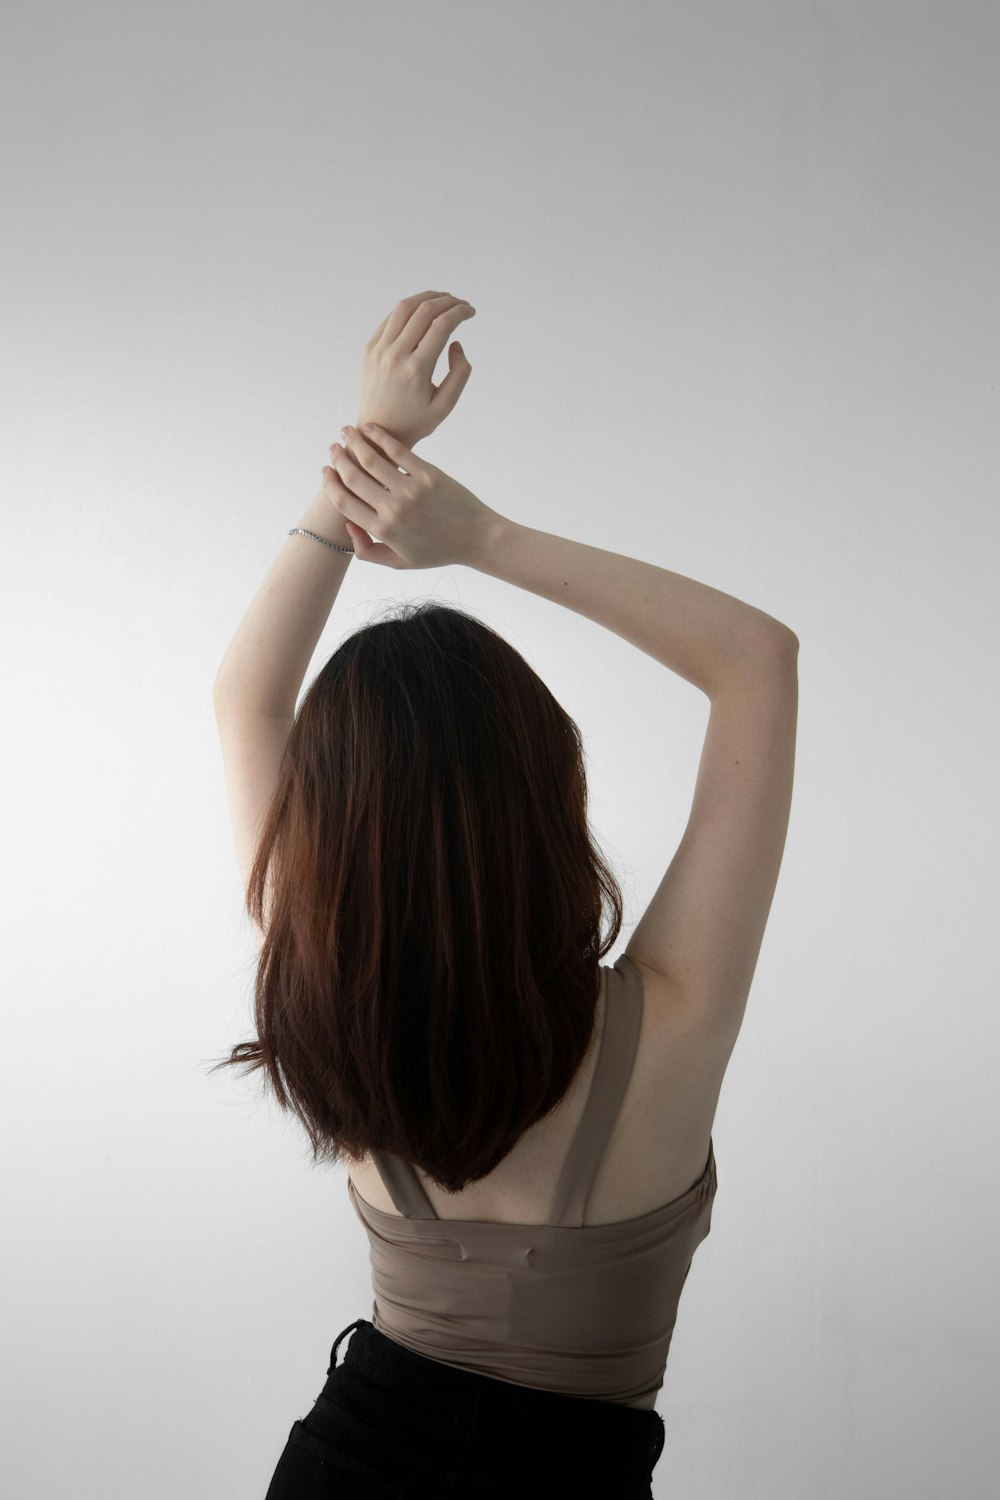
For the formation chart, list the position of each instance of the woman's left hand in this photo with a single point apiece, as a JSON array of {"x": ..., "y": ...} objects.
[{"x": 399, "y": 360}]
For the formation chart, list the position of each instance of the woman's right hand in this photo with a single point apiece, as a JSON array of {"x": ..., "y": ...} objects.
[{"x": 425, "y": 518}]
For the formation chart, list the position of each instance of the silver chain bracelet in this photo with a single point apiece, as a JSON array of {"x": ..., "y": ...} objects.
[{"x": 299, "y": 531}]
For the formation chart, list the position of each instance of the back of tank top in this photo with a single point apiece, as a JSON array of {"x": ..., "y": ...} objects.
[{"x": 582, "y": 1310}]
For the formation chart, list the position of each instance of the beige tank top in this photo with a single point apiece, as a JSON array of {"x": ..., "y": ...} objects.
[{"x": 582, "y": 1310}]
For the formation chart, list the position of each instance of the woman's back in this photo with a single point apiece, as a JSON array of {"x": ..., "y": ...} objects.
[{"x": 656, "y": 1151}]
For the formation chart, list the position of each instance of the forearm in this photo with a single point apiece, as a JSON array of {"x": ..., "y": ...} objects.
[
  {"x": 269, "y": 655},
  {"x": 705, "y": 636}
]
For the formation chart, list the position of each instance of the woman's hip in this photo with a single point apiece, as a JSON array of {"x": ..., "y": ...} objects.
[{"x": 408, "y": 1426}]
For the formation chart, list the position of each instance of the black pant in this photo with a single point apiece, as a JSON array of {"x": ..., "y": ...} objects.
[{"x": 390, "y": 1422}]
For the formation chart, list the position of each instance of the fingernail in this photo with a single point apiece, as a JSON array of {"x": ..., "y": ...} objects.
[{"x": 345, "y": 432}]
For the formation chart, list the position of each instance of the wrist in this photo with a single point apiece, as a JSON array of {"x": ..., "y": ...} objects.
[
  {"x": 323, "y": 517},
  {"x": 494, "y": 535}
]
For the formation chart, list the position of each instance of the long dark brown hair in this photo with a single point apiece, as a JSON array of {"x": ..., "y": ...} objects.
[{"x": 430, "y": 900}]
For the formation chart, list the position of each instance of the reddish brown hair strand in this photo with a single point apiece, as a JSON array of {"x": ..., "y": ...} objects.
[{"x": 431, "y": 901}]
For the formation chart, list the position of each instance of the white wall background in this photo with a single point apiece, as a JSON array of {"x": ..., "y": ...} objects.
[{"x": 735, "y": 267}]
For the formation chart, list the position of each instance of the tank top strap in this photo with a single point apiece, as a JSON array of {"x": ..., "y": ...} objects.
[
  {"x": 403, "y": 1186},
  {"x": 623, "y": 1001}
]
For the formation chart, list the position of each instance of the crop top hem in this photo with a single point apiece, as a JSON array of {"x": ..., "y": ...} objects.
[{"x": 615, "y": 1400}]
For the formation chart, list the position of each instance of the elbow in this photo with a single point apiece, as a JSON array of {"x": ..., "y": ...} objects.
[{"x": 786, "y": 642}]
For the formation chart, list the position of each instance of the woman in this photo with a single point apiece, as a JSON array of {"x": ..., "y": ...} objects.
[{"x": 528, "y": 1131}]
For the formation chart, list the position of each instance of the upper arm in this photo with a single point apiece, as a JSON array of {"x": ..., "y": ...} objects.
[
  {"x": 704, "y": 926},
  {"x": 253, "y": 746}
]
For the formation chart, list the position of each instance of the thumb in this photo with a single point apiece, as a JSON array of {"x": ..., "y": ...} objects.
[
  {"x": 447, "y": 393},
  {"x": 365, "y": 550}
]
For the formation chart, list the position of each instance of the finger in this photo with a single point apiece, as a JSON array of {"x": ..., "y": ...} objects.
[
  {"x": 346, "y": 502},
  {"x": 368, "y": 458},
  {"x": 431, "y": 327},
  {"x": 429, "y": 351},
  {"x": 367, "y": 550},
  {"x": 396, "y": 452},
  {"x": 356, "y": 477},
  {"x": 444, "y": 397},
  {"x": 400, "y": 315}
]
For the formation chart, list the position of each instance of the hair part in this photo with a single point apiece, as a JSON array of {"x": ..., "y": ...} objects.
[{"x": 429, "y": 971}]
